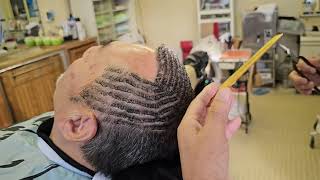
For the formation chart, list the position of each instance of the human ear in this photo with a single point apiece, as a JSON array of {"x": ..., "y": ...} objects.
[{"x": 80, "y": 128}]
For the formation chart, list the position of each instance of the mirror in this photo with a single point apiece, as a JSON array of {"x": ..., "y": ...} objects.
[
  {"x": 18, "y": 9},
  {"x": 33, "y": 8},
  {"x": 25, "y": 10}
]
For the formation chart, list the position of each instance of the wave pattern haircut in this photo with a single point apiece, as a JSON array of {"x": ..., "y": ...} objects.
[{"x": 137, "y": 118}]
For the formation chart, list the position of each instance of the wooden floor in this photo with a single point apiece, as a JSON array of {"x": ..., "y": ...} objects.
[{"x": 277, "y": 146}]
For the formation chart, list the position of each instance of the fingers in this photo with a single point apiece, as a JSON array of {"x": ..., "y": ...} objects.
[
  {"x": 302, "y": 66},
  {"x": 232, "y": 127},
  {"x": 204, "y": 98},
  {"x": 301, "y": 84},
  {"x": 305, "y": 92},
  {"x": 298, "y": 80},
  {"x": 195, "y": 116},
  {"x": 315, "y": 61},
  {"x": 202, "y": 101},
  {"x": 219, "y": 109}
]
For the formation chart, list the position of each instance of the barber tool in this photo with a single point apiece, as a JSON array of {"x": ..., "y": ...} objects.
[
  {"x": 245, "y": 67},
  {"x": 295, "y": 60}
]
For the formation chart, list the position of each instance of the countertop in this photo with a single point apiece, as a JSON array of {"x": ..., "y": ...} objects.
[{"x": 25, "y": 54}]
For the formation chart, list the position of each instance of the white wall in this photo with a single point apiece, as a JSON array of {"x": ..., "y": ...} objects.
[
  {"x": 167, "y": 21},
  {"x": 61, "y": 9},
  {"x": 132, "y": 15},
  {"x": 87, "y": 18},
  {"x": 170, "y": 21}
]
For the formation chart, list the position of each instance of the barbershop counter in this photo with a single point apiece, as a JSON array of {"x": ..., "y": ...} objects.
[{"x": 28, "y": 77}]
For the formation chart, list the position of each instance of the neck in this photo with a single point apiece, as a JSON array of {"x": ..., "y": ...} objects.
[{"x": 72, "y": 149}]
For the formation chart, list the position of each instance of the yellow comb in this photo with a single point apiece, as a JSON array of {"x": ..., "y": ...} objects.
[{"x": 245, "y": 67}]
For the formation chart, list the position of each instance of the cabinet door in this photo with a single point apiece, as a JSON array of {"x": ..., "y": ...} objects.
[
  {"x": 5, "y": 113},
  {"x": 30, "y": 88},
  {"x": 77, "y": 53}
]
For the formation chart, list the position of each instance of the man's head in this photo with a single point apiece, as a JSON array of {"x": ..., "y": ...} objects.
[{"x": 121, "y": 105}]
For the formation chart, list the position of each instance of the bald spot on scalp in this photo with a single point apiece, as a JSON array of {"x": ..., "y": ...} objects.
[{"x": 131, "y": 58}]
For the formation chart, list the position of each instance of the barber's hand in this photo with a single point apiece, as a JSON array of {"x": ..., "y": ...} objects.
[
  {"x": 203, "y": 135},
  {"x": 302, "y": 84}
]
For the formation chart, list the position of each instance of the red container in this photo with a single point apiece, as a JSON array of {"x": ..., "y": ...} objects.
[
  {"x": 216, "y": 31},
  {"x": 186, "y": 47}
]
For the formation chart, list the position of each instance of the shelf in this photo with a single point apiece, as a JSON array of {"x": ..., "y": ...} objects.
[
  {"x": 315, "y": 15},
  {"x": 102, "y": 12},
  {"x": 17, "y": 31},
  {"x": 122, "y": 33},
  {"x": 122, "y": 21},
  {"x": 104, "y": 26},
  {"x": 105, "y": 40},
  {"x": 214, "y": 12},
  {"x": 311, "y": 34},
  {"x": 215, "y": 20},
  {"x": 121, "y": 8}
]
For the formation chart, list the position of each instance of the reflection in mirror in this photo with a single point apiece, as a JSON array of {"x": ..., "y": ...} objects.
[
  {"x": 18, "y": 9},
  {"x": 24, "y": 16},
  {"x": 25, "y": 10},
  {"x": 33, "y": 8}
]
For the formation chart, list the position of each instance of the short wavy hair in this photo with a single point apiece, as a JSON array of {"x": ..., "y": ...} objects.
[{"x": 137, "y": 118}]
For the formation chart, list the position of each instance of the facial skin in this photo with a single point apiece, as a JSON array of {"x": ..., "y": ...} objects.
[{"x": 76, "y": 124}]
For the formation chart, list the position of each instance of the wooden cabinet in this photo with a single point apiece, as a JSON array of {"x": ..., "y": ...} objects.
[
  {"x": 30, "y": 88},
  {"x": 27, "y": 81},
  {"x": 5, "y": 115},
  {"x": 77, "y": 52}
]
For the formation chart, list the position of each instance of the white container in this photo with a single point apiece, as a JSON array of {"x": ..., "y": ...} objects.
[{"x": 82, "y": 35}]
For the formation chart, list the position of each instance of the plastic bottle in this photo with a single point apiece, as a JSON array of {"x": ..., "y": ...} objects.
[
  {"x": 80, "y": 29},
  {"x": 61, "y": 32},
  {"x": 73, "y": 27}
]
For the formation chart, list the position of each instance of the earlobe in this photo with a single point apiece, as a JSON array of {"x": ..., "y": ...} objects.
[{"x": 80, "y": 128}]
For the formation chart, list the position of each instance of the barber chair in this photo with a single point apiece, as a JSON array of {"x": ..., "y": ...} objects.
[{"x": 198, "y": 61}]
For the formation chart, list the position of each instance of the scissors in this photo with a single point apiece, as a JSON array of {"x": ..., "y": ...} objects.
[{"x": 295, "y": 62}]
